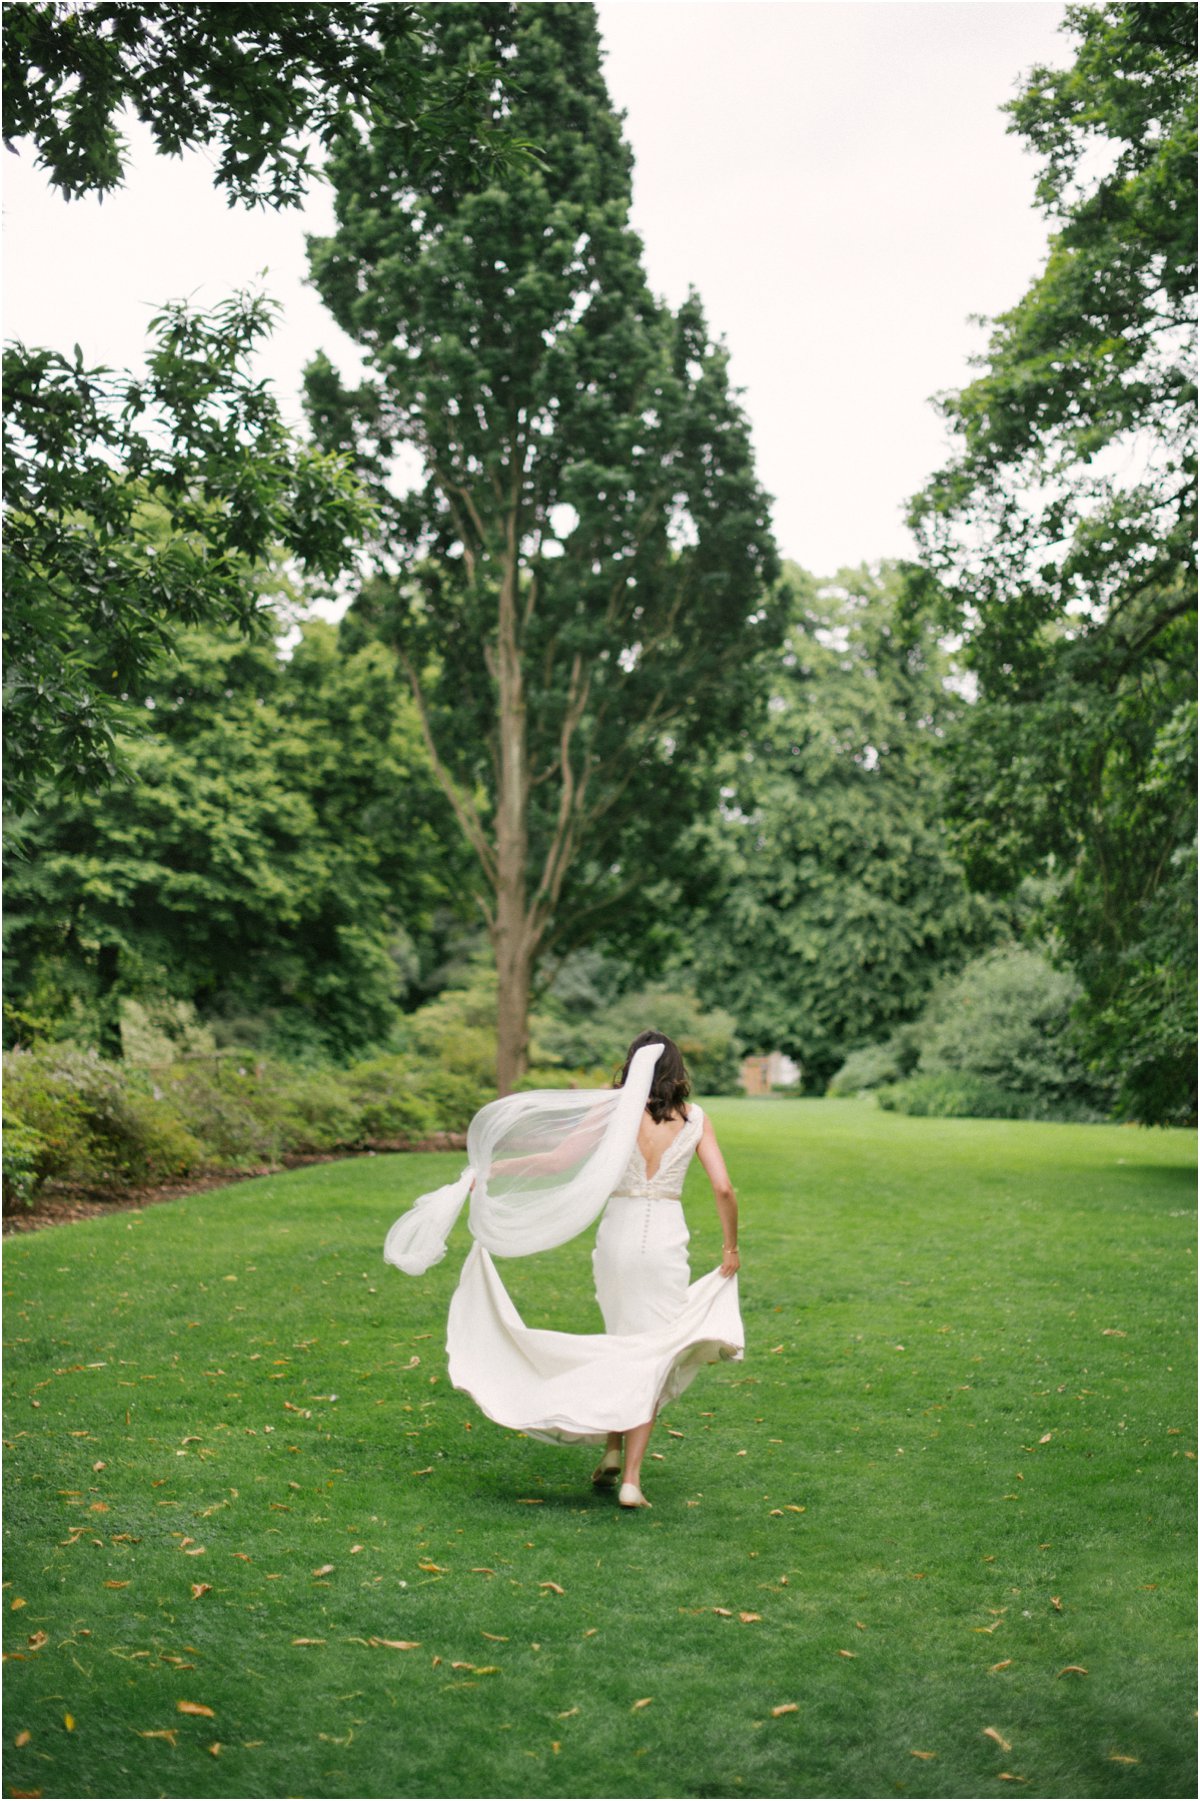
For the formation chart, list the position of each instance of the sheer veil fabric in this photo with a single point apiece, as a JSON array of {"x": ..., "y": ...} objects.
[{"x": 543, "y": 1166}]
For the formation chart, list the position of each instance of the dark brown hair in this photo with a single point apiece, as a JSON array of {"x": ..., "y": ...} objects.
[{"x": 670, "y": 1087}]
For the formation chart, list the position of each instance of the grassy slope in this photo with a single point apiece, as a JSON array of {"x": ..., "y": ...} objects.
[{"x": 968, "y": 1362}]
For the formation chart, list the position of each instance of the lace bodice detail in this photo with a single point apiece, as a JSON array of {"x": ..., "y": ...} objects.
[{"x": 666, "y": 1184}]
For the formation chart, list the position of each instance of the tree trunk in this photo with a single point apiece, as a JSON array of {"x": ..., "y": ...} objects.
[
  {"x": 514, "y": 968},
  {"x": 108, "y": 967},
  {"x": 512, "y": 936}
]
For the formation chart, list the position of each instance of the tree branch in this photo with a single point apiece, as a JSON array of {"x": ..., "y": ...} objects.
[{"x": 465, "y": 810}]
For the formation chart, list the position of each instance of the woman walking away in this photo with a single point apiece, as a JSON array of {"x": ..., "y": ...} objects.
[
  {"x": 542, "y": 1167},
  {"x": 640, "y": 1262}
]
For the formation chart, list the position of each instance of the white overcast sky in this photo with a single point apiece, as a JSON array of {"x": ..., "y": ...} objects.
[{"x": 834, "y": 176}]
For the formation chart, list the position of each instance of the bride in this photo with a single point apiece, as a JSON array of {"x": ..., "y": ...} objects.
[{"x": 542, "y": 1166}]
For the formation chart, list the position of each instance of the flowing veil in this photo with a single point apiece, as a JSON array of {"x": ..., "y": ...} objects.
[{"x": 543, "y": 1164}]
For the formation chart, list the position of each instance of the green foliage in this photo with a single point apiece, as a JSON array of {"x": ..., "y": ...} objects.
[
  {"x": 825, "y": 898},
  {"x": 1060, "y": 539},
  {"x": 997, "y": 1040},
  {"x": 136, "y": 506},
  {"x": 81, "y": 1119},
  {"x": 73, "y": 1116},
  {"x": 868, "y": 1068},
  {"x": 254, "y": 84},
  {"x": 24, "y": 1151},
  {"x": 955, "y": 1095},
  {"x": 707, "y": 1036},
  {"x": 273, "y": 856}
]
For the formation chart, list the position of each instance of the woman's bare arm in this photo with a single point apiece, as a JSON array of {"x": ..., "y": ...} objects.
[{"x": 709, "y": 1153}]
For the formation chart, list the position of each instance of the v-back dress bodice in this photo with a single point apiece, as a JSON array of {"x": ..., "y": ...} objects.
[{"x": 666, "y": 1184}]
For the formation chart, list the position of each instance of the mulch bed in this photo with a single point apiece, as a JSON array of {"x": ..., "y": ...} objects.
[{"x": 62, "y": 1203}]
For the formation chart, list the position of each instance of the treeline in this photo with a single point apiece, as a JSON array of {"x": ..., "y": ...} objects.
[{"x": 580, "y": 756}]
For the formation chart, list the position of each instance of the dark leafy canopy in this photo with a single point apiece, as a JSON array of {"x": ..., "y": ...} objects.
[
  {"x": 137, "y": 505},
  {"x": 272, "y": 861},
  {"x": 831, "y": 899},
  {"x": 261, "y": 84},
  {"x": 1061, "y": 540},
  {"x": 577, "y": 583}
]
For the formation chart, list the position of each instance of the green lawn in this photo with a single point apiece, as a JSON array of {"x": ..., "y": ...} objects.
[{"x": 957, "y": 1461}]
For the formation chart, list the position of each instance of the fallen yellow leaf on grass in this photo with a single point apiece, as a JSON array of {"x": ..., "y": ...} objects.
[
  {"x": 790, "y": 1507},
  {"x": 748, "y": 1618},
  {"x": 326, "y": 1569},
  {"x": 196, "y": 1707},
  {"x": 434, "y": 1569},
  {"x": 726, "y": 1613},
  {"x": 498, "y": 1638},
  {"x": 529, "y": 1500},
  {"x": 116, "y": 1585},
  {"x": 997, "y": 1738},
  {"x": 97, "y": 1467},
  {"x": 37, "y": 1640},
  {"x": 167, "y": 1732},
  {"x": 1007, "y": 1776},
  {"x": 201, "y": 1588},
  {"x": 22, "y": 1739},
  {"x": 69, "y": 1721},
  {"x": 308, "y": 1641},
  {"x": 214, "y": 1750},
  {"x": 427, "y": 1472},
  {"x": 569, "y": 1715},
  {"x": 847, "y": 1653},
  {"x": 645, "y": 1702},
  {"x": 1056, "y": 1603},
  {"x": 1072, "y": 1669},
  {"x": 396, "y": 1644},
  {"x": 1002, "y": 1665},
  {"x": 1116, "y": 1757},
  {"x": 17, "y": 1601},
  {"x": 196, "y": 1551},
  {"x": 925, "y": 1755},
  {"x": 785, "y": 1707},
  {"x": 554, "y": 1586},
  {"x": 860, "y": 1625}
]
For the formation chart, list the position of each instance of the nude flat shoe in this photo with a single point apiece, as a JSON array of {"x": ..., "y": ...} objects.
[
  {"x": 605, "y": 1473},
  {"x": 632, "y": 1496}
]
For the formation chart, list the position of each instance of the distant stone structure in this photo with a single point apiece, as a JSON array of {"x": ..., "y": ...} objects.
[{"x": 772, "y": 1070}]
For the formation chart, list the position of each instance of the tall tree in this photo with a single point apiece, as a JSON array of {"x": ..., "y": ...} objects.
[
  {"x": 576, "y": 585},
  {"x": 825, "y": 896},
  {"x": 1060, "y": 541}
]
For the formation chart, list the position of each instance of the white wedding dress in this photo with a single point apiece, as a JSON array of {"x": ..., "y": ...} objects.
[
  {"x": 566, "y": 1387},
  {"x": 542, "y": 1166}
]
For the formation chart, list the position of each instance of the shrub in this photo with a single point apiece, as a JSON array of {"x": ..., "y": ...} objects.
[
  {"x": 867, "y": 1068},
  {"x": 387, "y": 1100},
  {"x": 24, "y": 1151},
  {"x": 1007, "y": 1017},
  {"x": 237, "y": 1109},
  {"x": 97, "y": 1121},
  {"x": 318, "y": 1112},
  {"x": 952, "y": 1096}
]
